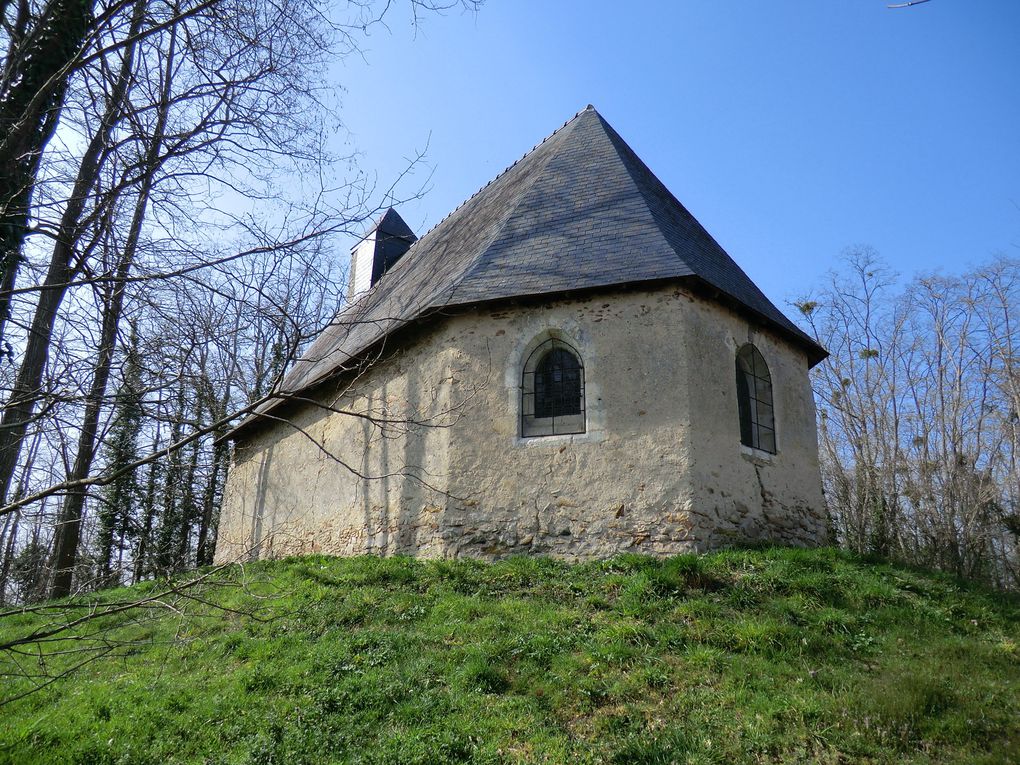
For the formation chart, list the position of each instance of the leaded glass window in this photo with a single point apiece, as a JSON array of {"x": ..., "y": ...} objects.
[
  {"x": 552, "y": 391},
  {"x": 754, "y": 401}
]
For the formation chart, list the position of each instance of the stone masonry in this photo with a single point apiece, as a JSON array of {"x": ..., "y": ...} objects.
[{"x": 422, "y": 454}]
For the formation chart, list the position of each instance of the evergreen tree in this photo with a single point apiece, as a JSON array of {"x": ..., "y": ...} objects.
[{"x": 120, "y": 498}]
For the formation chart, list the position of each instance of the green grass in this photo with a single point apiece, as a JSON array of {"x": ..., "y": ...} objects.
[{"x": 772, "y": 655}]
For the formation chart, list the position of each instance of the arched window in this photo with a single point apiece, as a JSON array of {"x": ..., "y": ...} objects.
[
  {"x": 552, "y": 391},
  {"x": 754, "y": 400}
]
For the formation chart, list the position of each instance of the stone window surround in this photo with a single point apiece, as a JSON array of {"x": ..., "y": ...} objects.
[
  {"x": 572, "y": 333},
  {"x": 758, "y": 456}
]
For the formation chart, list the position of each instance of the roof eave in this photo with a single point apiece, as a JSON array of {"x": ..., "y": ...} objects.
[{"x": 815, "y": 352}]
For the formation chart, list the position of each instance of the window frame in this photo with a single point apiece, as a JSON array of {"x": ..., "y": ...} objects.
[
  {"x": 756, "y": 410},
  {"x": 572, "y": 423}
]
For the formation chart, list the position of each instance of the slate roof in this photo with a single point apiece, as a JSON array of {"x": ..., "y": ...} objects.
[
  {"x": 579, "y": 211},
  {"x": 392, "y": 238},
  {"x": 392, "y": 225}
]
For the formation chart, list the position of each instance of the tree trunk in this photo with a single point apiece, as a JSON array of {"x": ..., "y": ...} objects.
[
  {"x": 7, "y": 542},
  {"x": 171, "y": 520},
  {"x": 21, "y": 407},
  {"x": 69, "y": 527},
  {"x": 35, "y": 77},
  {"x": 210, "y": 503},
  {"x": 141, "y": 567}
]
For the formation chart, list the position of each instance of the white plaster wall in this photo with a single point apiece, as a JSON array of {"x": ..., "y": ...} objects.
[
  {"x": 660, "y": 468},
  {"x": 362, "y": 262},
  {"x": 363, "y": 473}
]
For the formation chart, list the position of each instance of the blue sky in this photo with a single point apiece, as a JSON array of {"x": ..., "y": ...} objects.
[{"x": 791, "y": 130}]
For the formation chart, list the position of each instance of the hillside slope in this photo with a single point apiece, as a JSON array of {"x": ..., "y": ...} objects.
[{"x": 772, "y": 655}]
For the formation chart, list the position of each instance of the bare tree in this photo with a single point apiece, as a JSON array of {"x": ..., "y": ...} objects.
[
  {"x": 918, "y": 415},
  {"x": 165, "y": 106}
]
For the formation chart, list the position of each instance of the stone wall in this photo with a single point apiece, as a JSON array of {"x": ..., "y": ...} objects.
[{"x": 660, "y": 468}]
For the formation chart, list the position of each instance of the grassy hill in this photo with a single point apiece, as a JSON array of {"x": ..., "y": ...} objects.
[{"x": 772, "y": 655}]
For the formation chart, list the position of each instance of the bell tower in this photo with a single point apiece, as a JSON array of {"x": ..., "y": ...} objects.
[{"x": 377, "y": 251}]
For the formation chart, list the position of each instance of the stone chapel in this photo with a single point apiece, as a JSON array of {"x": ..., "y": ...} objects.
[{"x": 567, "y": 365}]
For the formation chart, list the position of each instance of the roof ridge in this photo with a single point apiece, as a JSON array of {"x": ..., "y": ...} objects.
[
  {"x": 416, "y": 245},
  {"x": 507, "y": 169},
  {"x": 479, "y": 261},
  {"x": 633, "y": 163}
]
